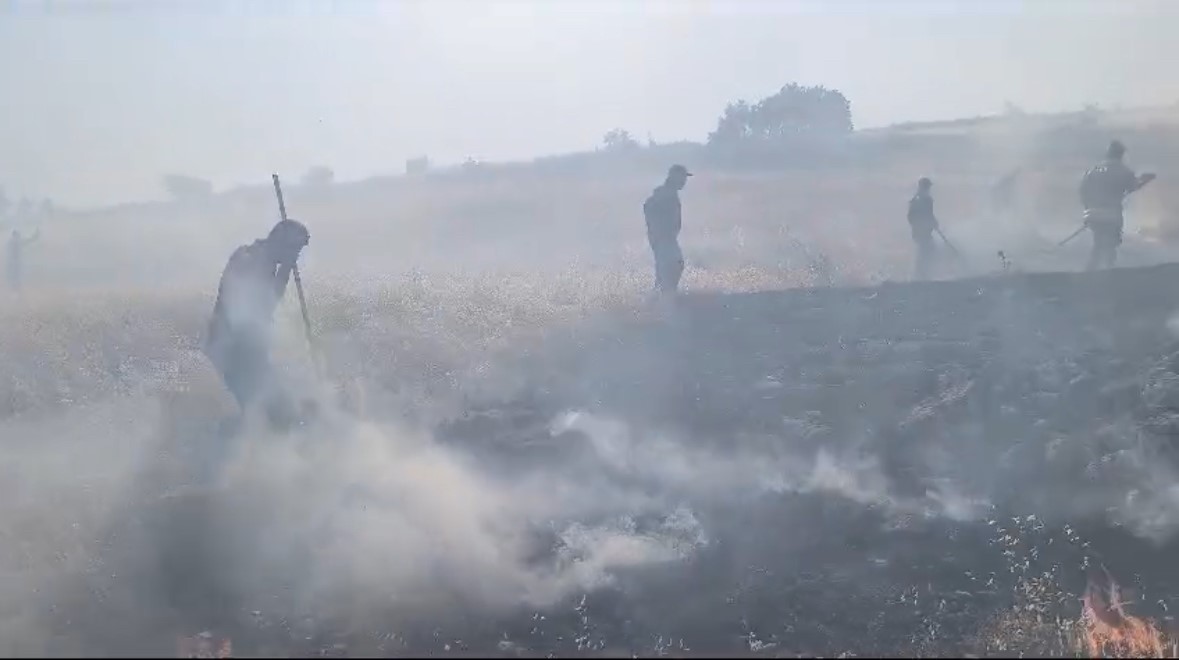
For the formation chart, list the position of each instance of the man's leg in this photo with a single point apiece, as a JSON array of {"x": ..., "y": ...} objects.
[
  {"x": 1110, "y": 256},
  {"x": 243, "y": 373},
  {"x": 658, "y": 265},
  {"x": 227, "y": 360},
  {"x": 1115, "y": 241},
  {"x": 1094, "y": 255},
  {"x": 924, "y": 257},
  {"x": 263, "y": 389},
  {"x": 1104, "y": 245},
  {"x": 675, "y": 266},
  {"x": 659, "y": 253}
]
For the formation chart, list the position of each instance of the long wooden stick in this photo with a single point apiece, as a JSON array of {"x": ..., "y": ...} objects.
[
  {"x": 1072, "y": 235},
  {"x": 282, "y": 209},
  {"x": 946, "y": 241}
]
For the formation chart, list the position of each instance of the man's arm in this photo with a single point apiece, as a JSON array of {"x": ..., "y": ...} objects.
[
  {"x": 659, "y": 215},
  {"x": 1130, "y": 182},
  {"x": 921, "y": 210},
  {"x": 675, "y": 212},
  {"x": 1141, "y": 181}
]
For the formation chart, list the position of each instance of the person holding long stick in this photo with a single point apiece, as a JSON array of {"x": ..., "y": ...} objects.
[
  {"x": 922, "y": 224},
  {"x": 1103, "y": 190},
  {"x": 239, "y": 335}
]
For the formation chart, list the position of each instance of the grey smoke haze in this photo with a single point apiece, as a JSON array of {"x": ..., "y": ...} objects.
[
  {"x": 102, "y": 100},
  {"x": 399, "y": 515}
]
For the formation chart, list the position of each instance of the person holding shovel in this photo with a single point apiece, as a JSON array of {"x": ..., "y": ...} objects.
[
  {"x": 1103, "y": 190},
  {"x": 239, "y": 335},
  {"x": 922, "y": 224}
]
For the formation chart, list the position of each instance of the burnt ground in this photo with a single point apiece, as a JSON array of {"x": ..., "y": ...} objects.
[
  {"x": 1043, "y": 405},
  {"x": 1043, "y": 394}
]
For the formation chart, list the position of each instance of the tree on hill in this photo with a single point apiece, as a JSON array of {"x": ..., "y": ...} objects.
[
  {"x": 793, "y": 112},
  {"x": 619, "y": 139}
]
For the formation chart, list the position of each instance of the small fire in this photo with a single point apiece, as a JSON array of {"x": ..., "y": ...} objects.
[
  {"x": 204, "y": 645},
  {"x": 1109, "y": 631}
]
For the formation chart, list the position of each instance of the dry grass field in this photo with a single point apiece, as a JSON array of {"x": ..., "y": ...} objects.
[{"x": 510, "y": 296}]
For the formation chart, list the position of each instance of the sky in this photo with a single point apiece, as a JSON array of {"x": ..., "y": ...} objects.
[{"x": 101, "y": 98}]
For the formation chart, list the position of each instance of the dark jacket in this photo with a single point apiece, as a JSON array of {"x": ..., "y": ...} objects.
[
  {"x": 251, "y": 287},
  {"x": 921, "y": 218},
  {"x": 662, "y": 212},
  {"x": 1104, "y": 187}
]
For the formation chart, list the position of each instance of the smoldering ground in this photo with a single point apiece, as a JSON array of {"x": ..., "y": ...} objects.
[
  {"x": 744, "y": 472},
  {"x": 547, "y": 463},
  {"x": 369, "y": 525}
]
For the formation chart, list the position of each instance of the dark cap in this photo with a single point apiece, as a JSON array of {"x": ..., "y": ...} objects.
[
  {"x": 678, "y": 170},
  {"x": 290, "y": 230},
  {"x": 924, "y": 182},
  {"x": 1116, "y": 149}
]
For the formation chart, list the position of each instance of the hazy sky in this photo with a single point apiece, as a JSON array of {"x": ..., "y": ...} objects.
[{"x": 101, "y": 98}]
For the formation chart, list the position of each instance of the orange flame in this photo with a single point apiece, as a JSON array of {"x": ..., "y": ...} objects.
[
  {"x": 1109, "y": 631},
  {"x": 202, "y": 646}
]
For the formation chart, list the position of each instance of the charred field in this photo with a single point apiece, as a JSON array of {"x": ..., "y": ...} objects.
[
  {"x": 930, "y": 468},
  {"x": 522, "y": 455}
]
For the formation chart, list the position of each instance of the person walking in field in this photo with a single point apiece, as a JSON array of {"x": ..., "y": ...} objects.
[
  {"x": 1103, "y": 191},
  {"x": 663, "y": 215},
  {"x": 922, "y": 224}
]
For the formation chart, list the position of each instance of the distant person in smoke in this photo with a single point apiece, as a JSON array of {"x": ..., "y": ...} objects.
[
  {"x": 15, "y": 263},
  {"x": 1103, "y": 190},
  {"x": 663, "y": 215},
  {"x": 239, "y": 336},
  {"x": 922, "y": 224}
]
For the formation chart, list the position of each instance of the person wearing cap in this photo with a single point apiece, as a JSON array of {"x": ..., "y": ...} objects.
[
  {"x": 662, "y": 213},
  {"x": 1103, "y": 190},
  {"x": 922, "y": 224},
  {"x": 239, "y": 334}
]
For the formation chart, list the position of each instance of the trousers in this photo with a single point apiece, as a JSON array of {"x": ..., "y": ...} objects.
[
  {"x": 926, "y": 252},
  {"x": 1107, "y": 237},
  {"x": 669, "y": 263}
]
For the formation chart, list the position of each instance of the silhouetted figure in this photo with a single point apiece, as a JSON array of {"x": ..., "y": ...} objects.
[
  {"x": 15, "y": 264},
  {"x": 1103, "y": 190},
  {"x": 663, "y": 214},
  {"x": 923, "y": 223},
  {"x": 240, "y": 332}
]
